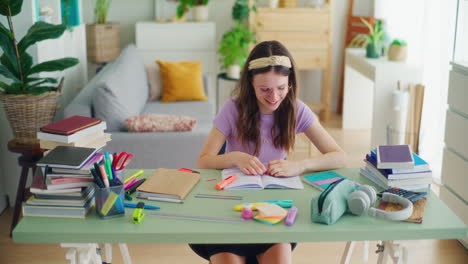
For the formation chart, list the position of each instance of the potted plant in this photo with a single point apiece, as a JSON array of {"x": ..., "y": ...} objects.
[
  {"x": 374, "y": 40},
  {"x": 30, "y": 100},
  {"x": 102, "y": 37},
  {"x": 234, "y": 49},
  {"x": 200, "y": 9},
  {"x": 241, "y": 10},
  {"x": 398, "y": 50}
]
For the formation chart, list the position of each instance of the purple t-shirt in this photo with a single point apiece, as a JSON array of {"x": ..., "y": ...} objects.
[{"x": 226, "y": 121}]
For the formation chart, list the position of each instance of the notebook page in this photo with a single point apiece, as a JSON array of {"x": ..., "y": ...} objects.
[
  {"x": 243, "y": 180},
  {"x": 293, "y": 182}
]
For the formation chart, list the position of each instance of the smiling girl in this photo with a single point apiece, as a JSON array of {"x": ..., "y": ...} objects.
[{"x": 259, "y": 126}]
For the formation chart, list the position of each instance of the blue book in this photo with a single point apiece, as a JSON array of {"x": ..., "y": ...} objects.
[{"x": 420, "y": 165}]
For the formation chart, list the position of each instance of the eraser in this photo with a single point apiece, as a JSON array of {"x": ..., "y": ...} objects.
[{"x": 291, "y": 217}]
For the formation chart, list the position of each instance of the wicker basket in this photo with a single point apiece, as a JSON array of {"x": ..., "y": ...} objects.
[
  {"x": 103, "y": 42},
  {"x": 27, "y": 113},
  {"x": 288, "y": 3}
]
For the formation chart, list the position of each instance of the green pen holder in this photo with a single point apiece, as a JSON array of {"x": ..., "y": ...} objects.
[{"x": 110, "y": 201}]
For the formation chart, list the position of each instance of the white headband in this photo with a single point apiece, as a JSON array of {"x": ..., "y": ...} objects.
[{"x": 270, "y": 61}]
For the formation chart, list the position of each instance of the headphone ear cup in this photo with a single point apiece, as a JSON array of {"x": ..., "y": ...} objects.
[
  {"x": 371, "y": 192},
  {"x": 358, "y": 202}
]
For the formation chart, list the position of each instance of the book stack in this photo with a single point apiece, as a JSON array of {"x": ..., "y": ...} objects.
[
  {"x": 70, "y": 200},
  {"x": 75, "y": 131},
  {"x": 397, "y": 166},
  {"x": 63, "y": 185}
]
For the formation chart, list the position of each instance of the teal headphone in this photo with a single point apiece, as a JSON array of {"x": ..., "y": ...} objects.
[{"x": 363, "y": 199}]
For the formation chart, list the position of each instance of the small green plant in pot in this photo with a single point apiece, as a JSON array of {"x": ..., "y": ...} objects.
[
  {"x": 374, "y": 40},
  {"x": 200, "y": 9},
  {"x": 234, "y": 49},
  {"x": 29, "y": 100},
  {"x": 398, "y": 50}
]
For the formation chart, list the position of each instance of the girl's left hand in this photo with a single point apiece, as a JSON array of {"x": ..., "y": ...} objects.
[{"x": 284, "y": 168}]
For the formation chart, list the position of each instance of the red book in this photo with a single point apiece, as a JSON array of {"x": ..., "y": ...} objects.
[{"x": 70, "y": 125}]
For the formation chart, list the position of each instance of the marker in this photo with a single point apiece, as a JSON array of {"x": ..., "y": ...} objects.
[
  {"x": 132, "y": 189},
  {"x": 150, "y": 207},
  {"x": 291, "y": 217},
  {"x": 138, "y": 173},
  {"x": 188, "y": 170},
  {"x": 104, "y": 175},
  {"x": 152, "y": 198},
  {"x": 138, "y": 213},
  {"x": 129, "y": 185},
  {"x": 222, "y": 184},
  {"x": 108, "y": 165}
]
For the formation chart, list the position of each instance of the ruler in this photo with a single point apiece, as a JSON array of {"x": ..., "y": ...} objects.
[
  {"x": 232, "y": 220},
  {"x": 218, "y": 196}
]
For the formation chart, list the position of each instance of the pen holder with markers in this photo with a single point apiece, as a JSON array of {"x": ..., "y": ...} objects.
[{"x": 110, "y": 201}]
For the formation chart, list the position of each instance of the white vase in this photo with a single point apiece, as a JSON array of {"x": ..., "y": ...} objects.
[
  {"x": 200, "y": 13},
  {"x": 233, "y": 71},
  {"x": 273, "y": 3}
]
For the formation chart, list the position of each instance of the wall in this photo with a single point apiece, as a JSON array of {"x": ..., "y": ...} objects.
[
  {"x": 72, "y": 44},
  {"x": 127, "y": 13}
]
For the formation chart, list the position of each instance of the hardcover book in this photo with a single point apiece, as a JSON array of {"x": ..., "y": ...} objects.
[
  {"x": 67, "y": 157},
  {"x": 264, "y": 181},
  {"x": 72, "y": 137},
  {"x": 419, "y": 164},
  {"x": 394, "y": 157},
  {"x": 388, "y": 174},
  {"x": 70, "y": 125}
]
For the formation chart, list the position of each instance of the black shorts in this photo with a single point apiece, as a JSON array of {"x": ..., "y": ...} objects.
[{"x": 250, "y": 251}]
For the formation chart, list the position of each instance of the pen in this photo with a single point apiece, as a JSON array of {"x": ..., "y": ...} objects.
[
  {"x": 151, "y": 207},
  {"x": 134, "y": 187},
  {"x": 104, "y": 175},
  {"x": 164, "y": 199},
  {"x": 97, "y": 180},
  {"x": 138, "y": 173}
]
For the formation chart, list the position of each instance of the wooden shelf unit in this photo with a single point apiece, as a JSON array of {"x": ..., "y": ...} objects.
[{"x": 307, "y": 33}]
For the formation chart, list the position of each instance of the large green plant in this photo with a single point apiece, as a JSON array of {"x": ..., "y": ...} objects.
[
  {"x": 184, "y": 6},
  {"x": 101, "y": 10},
  {"x": 234, "y": 46},
  {"x": 17, "y": 65}
]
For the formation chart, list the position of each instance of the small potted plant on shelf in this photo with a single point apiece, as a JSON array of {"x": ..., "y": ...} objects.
[
  {"x": 234, "y": 49},
  {"x": 29, "y": 99},
  {"x": 200, "y": 10},
  {"x": 374, "y": 40},
  {"x": 102, "y": 37},
  {"x": 398, "y": 50}
]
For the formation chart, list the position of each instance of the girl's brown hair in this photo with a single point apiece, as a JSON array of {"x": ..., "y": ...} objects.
[{"x": 248, "y": 123}]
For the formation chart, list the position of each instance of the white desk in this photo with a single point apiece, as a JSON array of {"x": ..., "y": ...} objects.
[{"x": 368, "y": 87}]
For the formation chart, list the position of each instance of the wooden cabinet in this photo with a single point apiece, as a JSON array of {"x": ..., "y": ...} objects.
[
  {"x": 306, "y": 32},
  {"x": 454, "y": 191}
]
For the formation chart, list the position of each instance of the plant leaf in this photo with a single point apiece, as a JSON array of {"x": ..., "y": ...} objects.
[
  {"x": 371, "y": 29},
  {"x": 6, "y": 72},
  {"x": 40, "y": 89},
  {"x": 38, "y": 32},
  {"x": 9, "y": 55},
  {"x": 6, "y": 31},
  {"x": 13, "y": 5},
  {"x": 53, "y": 65}
]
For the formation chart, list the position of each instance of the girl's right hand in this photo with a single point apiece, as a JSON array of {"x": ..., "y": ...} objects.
[{"x": 248, "y": 164}]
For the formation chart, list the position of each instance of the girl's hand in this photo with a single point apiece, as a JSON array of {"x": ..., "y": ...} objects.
[
  {"x": 284, "y": 168},
  {"x": 248, "y": 164}
]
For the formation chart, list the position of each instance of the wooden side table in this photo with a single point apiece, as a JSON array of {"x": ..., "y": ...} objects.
[{"x": 30, "y": 154}]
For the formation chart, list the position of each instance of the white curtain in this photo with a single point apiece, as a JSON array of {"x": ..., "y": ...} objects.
[{"x": 429, "y": 27}]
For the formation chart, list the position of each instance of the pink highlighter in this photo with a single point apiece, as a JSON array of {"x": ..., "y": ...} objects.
[{"x": 291, "y": 217}]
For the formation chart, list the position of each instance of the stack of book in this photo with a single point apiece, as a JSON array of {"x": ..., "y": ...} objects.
[
  {"x": 62, "y": 185},
  {"x": 75, "y": 131},
  {"x": 397, "y": 166}
]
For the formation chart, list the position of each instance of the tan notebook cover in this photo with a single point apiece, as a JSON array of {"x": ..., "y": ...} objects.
[{"x": 170, "y": 182}]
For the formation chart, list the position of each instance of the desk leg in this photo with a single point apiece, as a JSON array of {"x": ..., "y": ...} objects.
[
  {"x": 398, "y": 253},
  {"x": 82, "y": 253},
  {"x": 19, "y": 197},
  {"x": 347, "y": 252}
]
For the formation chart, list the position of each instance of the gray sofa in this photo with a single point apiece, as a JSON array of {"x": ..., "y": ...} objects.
[{"x": 119, "y": 91}]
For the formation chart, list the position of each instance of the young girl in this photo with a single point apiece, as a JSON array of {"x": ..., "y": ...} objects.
[{"x": 259, "y": 128}]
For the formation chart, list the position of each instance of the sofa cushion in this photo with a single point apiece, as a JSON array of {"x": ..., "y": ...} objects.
[
  {"x": 199, "y": 110},
  {"x": 160, "y": 123},
  {"x": 182, "y": 81},
  {"x": 124, "y": 93},
  {"x": 154, "y": 81}
]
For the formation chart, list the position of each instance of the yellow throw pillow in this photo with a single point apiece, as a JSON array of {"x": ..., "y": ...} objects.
[{"x": 182, "y": 81}]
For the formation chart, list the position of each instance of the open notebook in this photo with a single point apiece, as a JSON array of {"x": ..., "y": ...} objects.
[{"x": 244, "y": 181}]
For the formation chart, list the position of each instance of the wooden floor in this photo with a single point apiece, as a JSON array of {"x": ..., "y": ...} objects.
[{"x": 355, "y": 143}]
